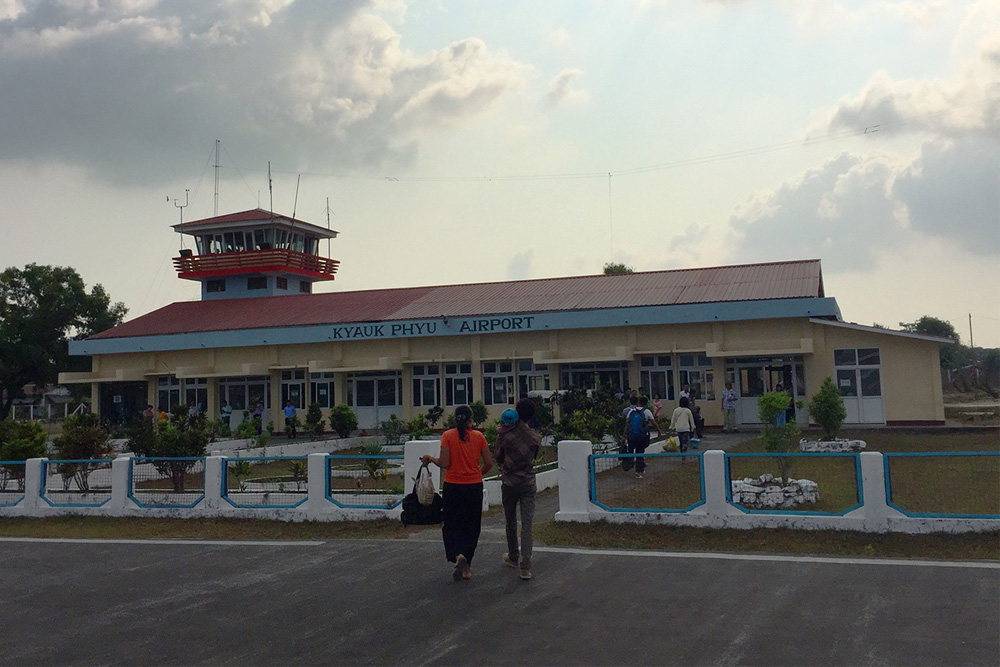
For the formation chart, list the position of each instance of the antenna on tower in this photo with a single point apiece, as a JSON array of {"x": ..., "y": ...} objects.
[
  {"x": 270, "y": 187},
  {"x": 182, "y": 207},
  {"x": 295, "y": 204},
  {"x": 217, "y": 142},
  {"x": 328, "y": 241}
]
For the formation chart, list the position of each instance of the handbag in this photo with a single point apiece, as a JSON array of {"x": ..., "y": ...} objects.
[{"x": 416, "y": 513}]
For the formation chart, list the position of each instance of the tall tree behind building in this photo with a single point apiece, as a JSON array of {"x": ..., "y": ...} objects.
[{"x": 42, "y": 308}]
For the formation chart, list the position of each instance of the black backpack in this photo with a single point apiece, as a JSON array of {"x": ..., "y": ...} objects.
[{"x": 415, "y": 514}]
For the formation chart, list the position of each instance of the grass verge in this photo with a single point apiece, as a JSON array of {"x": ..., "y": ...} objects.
[
  {"x": 93, "y": 527},
  {"x": 605, "y": 535}
]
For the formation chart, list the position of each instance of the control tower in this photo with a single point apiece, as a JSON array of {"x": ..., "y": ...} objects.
[{"x": 254, "y": 253}]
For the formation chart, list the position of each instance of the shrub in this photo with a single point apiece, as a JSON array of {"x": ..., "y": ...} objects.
[
  {"x": 392, "y": 429},
  {"x": 418, "y": 427},
  {"x": 491, "y": 432},
  {"x": 373, "y": 465},
  {"x": 83, "y": 437},
  {"x": 343, "y": 420},
  {"x": 314, "y": 419},
  {"x": 20, "y": 441},
  {"x": 188, "y": 437},
  {"x": 826, "y": 407},
  {"x": 479, "y": 413},
  {"x": 434, "y": 415}
]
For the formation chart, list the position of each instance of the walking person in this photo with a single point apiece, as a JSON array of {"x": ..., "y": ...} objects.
[
  {"x": 682, "y": 421},
  {"x": 516, "y": 451},
  {"x": 729, "y": 408},
  {"x": 465, "y": 457},
  {"x": 289, "y": 419},
  {"x": 637, "y": 420}
]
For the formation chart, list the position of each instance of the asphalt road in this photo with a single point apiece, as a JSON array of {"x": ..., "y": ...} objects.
[{"x": 394, "y": 602}]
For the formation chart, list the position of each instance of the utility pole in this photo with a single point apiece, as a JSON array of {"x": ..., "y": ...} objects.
[
  {"x": 217, "y": 142},
  {"x": 971, "y": 343}
]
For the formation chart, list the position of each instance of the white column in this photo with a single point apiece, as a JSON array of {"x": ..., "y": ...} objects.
[
  {"x": 317, "y": 505},
  {"x": 876, "y": 511},
  {"x": 119, "y": 485},
  {"x": 412, "y": 451},
  {"x": 33, "y": 484},
  {"x": 715, "y": 484},
  {"x": 213, "y": 482},
  {"x": 574, "y": 480}
]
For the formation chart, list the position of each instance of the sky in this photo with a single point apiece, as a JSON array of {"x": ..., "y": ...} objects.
[{"x": 490, "y": 140}]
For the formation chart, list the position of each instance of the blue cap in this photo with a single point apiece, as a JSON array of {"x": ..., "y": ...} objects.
[{"x": 508, "y": 417}]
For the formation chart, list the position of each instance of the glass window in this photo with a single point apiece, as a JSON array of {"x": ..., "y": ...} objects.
[
  {"x": 293, "y": 387},
  {"x": 868, "y": 357},
  {"x": 426, "y": 386},
  {"x": 531, "y": 377},
  {"x": 847, "y": 383},
  {"x": 458, "y": 384},
  {"x": 321, "y": 389},
  {"x": 305, "y": 287},
  {"x": 498, "y": 383},
  {"x": 696, "y": 372},
  {"x": 845, "y": 357},
  {"x": 871, "y": 382},
  {"x": 257, "y": 282},
  {"x": 281, "y": 283},
  {"x": 218, "y": 285}
]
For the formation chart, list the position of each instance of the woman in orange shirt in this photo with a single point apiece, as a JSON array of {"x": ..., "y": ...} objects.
[{"x": 465, "y": 457}]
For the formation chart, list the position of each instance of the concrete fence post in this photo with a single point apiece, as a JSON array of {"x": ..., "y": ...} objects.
[
  {"x": 213, "y": 482},
  {"x": 412, "y": 451},
  {"x": 317, "y": 504},
  {"x": 119, "y": 485},
  {"x": 877, "y": 511},
  {"x": 574, "y": 480},
  {"x": 716, "y": 504},
  {"x": 33, "y": 484}
]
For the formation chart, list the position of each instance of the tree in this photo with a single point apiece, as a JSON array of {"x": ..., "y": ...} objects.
[
  {"x": 615, "y": 268},
  {"x": 184, "y": 438},
  {"x": 314, "y": 419},
  {"x": 827, "y": 408},
  {"x": 19, "y": 441},
  {"x": 82, "y": 438},
  {"x": 777, "y": 438},
  {"x": 42, "y": 308}
]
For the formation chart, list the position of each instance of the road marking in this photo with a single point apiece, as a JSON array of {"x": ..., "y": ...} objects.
[
  {"x": 167, "y": 541},
  {"x": 974, "y": 565}
]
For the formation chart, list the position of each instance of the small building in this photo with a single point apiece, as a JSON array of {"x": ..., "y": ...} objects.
[{"x": 259, "y": 336}]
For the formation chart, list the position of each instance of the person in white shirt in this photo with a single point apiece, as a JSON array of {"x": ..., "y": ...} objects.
[
  {"x": 729, "y": 408},
  {"x": 682, "y": 421}
]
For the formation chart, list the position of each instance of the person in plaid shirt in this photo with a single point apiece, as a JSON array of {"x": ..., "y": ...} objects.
[{"x": 516, "y": 451}]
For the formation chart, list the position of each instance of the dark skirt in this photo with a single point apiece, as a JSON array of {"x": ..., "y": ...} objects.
[{"x": 463, "y": 519}]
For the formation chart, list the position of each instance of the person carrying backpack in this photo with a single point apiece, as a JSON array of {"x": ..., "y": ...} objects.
[{"x": 637, "y": 420}]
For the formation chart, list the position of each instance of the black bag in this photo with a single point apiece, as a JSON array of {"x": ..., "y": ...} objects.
[{"x": 415, "y": 514}]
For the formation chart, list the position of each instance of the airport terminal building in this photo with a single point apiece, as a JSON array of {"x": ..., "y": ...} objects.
[{"x": 259, "y": 335}]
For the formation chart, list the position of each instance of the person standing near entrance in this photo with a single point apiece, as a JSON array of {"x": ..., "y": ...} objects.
[
  {"x": 516, "y": 451},
  {"x": 289, "y": 419},
  {"x": 729, "y": 408},
  {"x": 782, "y": 417},
  {"x": 227, "y": 413},
  {"x": 465, "y": 457}
]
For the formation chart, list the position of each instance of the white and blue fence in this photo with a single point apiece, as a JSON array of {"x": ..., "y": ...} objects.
[{"x": 594, "y": 487}]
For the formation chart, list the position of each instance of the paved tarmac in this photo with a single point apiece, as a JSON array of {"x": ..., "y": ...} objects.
[{"x": 394, "y": 602}]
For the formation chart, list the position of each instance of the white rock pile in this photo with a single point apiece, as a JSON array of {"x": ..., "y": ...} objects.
[
  {"x": 766, "y": 492},
  {"x": 837, "y": 445}
]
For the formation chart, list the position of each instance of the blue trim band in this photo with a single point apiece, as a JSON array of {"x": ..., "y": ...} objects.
[{"x": 727, "y": 311}]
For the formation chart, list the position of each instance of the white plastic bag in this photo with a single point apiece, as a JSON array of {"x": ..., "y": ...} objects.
[{"x": 425, "y": 486}]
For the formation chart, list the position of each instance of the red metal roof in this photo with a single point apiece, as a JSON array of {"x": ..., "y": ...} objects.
[
  {"x": 747, "y": 282},
  {"x": 253, "y": 215}
]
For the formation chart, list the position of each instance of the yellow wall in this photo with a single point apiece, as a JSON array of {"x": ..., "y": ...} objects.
[{"x": 910, "y": 369}]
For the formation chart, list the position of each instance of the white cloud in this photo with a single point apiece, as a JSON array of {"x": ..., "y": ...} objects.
[
  {"x": 559, "y": 38},
  {"x": 307, "y": 84},
  {"x": 561, "y": 91}
]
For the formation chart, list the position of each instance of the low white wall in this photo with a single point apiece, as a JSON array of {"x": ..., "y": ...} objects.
[
  {"x": 716, "y": 512},
  {"x": 236, "y": 449}
]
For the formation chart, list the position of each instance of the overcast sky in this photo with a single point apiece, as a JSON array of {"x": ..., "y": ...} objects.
[{"x": 467, "y": 141}]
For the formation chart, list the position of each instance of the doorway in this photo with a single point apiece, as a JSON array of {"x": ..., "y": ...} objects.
[{"x": 375, "y": 397}]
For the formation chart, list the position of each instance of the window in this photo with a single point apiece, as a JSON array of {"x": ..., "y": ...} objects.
[
  {"x": 216, "y": 285},
  {"x": 590, "y": 376},
  {"x": 498, "y": 383},
  {"x": 321, "y": 389},
  {"x": 257, "y": 282},
  {"x": 168, "y": 393},
  {"x": 305, "y": 287},
  {"x": 531, "y": 377},
  {"x": 426, "y": 385},
  {"x": 172, "y": 393},
  {"x": 696, "y": 371},
  {"x": 293, "y": 387},
  {"x": 281, "y": 283},
  {"x": 656, "y": 376},
  {"x": 859, "y": 369},
  {"x": 196, "y": 394},
  {"x": 457, "y": 384}
]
